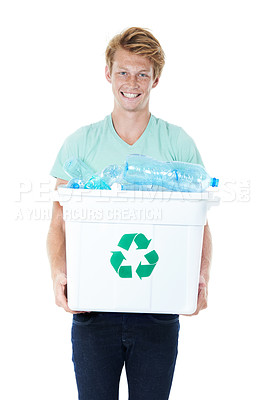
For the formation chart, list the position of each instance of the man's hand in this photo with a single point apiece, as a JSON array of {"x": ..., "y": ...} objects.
[
  {"x": 202, "y": 296},
  {"x": 60, "y": 287},
  {"x": 57, "y": 254},
  {"x": 205, "y": 270}
]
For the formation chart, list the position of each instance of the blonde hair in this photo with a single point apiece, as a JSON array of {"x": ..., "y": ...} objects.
[{"x": 138, "y": 41}]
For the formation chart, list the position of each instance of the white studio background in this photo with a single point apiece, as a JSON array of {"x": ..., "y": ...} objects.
[{"x": 52, "y": 82}]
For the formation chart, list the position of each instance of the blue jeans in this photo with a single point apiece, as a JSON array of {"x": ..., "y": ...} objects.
[{"x": 104, "y": 341}]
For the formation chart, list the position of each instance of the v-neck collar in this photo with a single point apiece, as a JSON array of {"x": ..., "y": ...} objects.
[{"x": 121, "y": 141}]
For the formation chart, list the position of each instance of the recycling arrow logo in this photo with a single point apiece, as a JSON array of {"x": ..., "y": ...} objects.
[{"x": 143, "y": 270}]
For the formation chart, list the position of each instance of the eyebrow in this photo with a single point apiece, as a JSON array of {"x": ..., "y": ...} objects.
[{"x": 142, "y": 70}]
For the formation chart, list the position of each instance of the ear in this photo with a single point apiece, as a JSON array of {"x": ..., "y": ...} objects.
[
  {"x": 107, "y": 74},
  {"x": 155, "y": 83}
]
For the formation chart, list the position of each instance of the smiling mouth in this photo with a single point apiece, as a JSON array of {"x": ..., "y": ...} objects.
[{"x": 130, "y": 95}]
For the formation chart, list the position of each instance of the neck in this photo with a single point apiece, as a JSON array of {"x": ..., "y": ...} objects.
[{"x": 130, "y": 125}]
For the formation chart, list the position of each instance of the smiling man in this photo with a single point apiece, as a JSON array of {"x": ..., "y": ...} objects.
[
  {"x": 103, "y": 342},
  {"x": 132, "y": 78}
]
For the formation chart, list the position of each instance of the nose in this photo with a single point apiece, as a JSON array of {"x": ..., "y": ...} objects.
[{"x": 132, "y": 81}]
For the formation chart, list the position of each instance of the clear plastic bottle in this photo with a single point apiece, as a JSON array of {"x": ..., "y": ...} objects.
[
  {"x": 112, "y": 174},
  {"x": 96, "y": 182},
  {"x": 75, "y": 183},
  {"x": 174, "y": 175},
  {"x": 76, "y": 168},
  {"x": 84, "y": 177},
  {"x": 105, "y": 179}
]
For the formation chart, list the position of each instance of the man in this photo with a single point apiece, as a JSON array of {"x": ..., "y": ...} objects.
[{"x": 103, "y": 342}]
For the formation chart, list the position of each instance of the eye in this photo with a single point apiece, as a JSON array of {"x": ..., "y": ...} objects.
[
  {"x": 142, "y": 75},
  {"x": 122, "y": 73}
]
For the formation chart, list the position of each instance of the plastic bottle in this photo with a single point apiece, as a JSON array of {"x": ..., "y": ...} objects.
[
  {"x": 76, "y": 168},
  {"x": 174, "y": 175},
  {"x": 106, "y": 178},
  {"x": 75, "y": 183},
  {"x": 96, "y": 182},
  {"x": 84, "y": 177},
  {"x": 112, "y": 174}
]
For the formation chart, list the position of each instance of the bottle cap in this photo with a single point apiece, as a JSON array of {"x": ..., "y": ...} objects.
[{"x": 214, "y": 182}]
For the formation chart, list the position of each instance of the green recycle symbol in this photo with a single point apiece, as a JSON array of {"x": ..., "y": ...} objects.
[{"x": 143, "y": 270}]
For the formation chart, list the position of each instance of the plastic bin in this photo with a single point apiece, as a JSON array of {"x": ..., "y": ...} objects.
[{"x": 129, "y": 251}]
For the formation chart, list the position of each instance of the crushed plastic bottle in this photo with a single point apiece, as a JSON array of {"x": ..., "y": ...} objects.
[
  {"x": 174, "y": 175},
  {"x": 112, "y": 174},
  {"x": 76, "y": 168},
  {"x": 96, "y": 182},
  {"x": 76, "y": 183},
  {"x": 84, "y": 177}
]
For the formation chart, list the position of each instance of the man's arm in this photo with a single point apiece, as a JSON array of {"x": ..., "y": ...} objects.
[
  {"x": 205, "y": 269},
  {"x": 57, "y": 253}
]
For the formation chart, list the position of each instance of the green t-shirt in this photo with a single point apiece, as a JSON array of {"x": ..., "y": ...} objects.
[{"x": 99, "y": 145}]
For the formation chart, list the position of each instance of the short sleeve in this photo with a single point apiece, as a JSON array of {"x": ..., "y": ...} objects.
[
  {"x": 187, "y": 149},
  {"x": 69, "y": 149}
]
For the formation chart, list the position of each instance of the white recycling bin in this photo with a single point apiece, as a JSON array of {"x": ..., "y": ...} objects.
[{"x": 132, "y": 251}]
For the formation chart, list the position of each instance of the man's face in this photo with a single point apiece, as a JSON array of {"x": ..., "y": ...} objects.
[{"x": 132, "y": 80}]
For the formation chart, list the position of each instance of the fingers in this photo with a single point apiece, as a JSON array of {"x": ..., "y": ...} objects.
[
  {"x": 60, "y": 285},
  {"x": 202, "y": 300},
  {"x": 60, "y": 298},
  {"x": 60, "y": 290}
]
